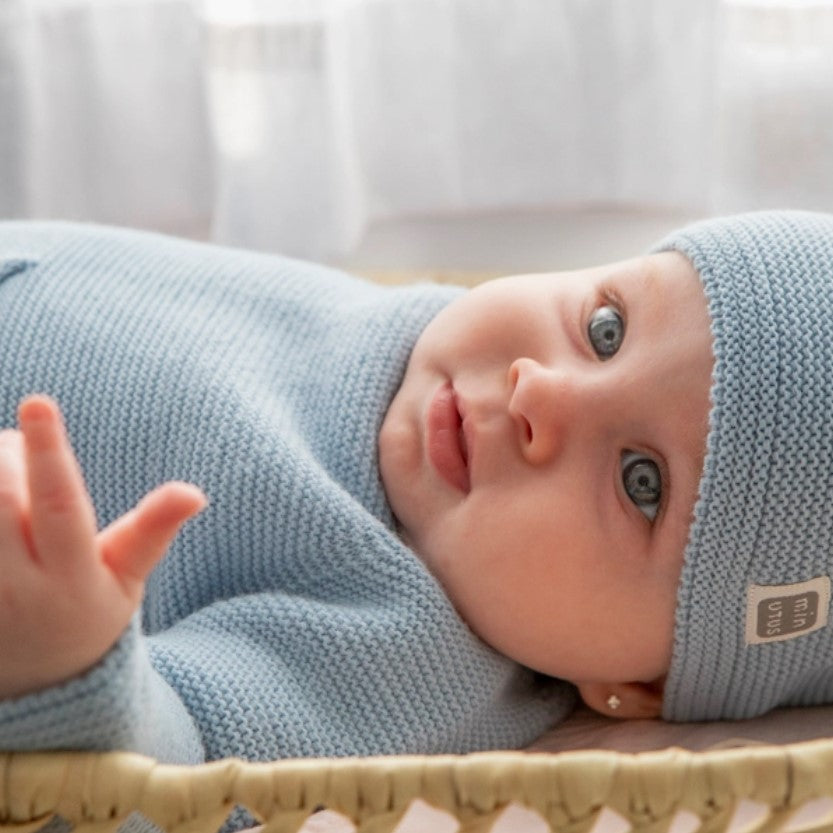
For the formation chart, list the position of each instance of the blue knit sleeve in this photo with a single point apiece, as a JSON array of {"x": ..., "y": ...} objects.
[
  {"x": 270, "y": 675},
  {"x": 267, "y": 676},
  {"x": 120, "y": 703}
]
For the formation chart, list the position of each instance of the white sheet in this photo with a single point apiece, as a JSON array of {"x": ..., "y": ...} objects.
[{"x": 587, "y": 730}]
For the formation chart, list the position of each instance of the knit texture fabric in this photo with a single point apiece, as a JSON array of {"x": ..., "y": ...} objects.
[
  {"x": 763, "y": 514},
  {"x": 287, "y": 619}
]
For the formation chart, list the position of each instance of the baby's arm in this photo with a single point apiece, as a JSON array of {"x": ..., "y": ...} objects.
[{"x": 67, "y": 591}]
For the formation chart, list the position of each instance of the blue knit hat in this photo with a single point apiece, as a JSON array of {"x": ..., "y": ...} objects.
[{"x": 753, "y": 629}]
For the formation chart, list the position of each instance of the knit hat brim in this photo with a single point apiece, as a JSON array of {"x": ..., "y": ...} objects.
[{"x": 751, "y": 630}]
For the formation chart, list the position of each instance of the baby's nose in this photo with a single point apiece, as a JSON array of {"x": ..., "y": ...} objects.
[{"x": 547, "y": 406}]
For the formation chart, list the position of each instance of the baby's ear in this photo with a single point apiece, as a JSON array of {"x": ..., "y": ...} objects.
[{"x": 625, "y": 700}]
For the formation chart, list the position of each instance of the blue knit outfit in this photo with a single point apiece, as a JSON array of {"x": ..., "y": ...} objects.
[{"x": 287, "y": 619}]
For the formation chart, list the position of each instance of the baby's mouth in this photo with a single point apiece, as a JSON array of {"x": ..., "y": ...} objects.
[{"x": 446, "y": 439}]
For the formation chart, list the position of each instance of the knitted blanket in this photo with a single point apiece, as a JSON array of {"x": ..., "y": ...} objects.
[{"x": 287, "y": 619}]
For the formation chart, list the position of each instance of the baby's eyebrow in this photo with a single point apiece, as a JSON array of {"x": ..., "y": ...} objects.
[
  {"x": 649, "y": 278},
  {"x": 641, "y": 286},
  {"x": 634, "y": 282}
]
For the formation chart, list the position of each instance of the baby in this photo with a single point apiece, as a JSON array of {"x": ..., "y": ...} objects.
[{"x": 425, "y": 516}]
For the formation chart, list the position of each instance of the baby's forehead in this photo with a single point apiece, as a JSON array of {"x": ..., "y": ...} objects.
[
  {"x": 652, "y": 271},
  {"x": 648, "y": 272}
]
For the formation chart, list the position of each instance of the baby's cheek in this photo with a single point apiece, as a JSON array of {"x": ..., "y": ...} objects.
[{"x": 476, "y": 547}]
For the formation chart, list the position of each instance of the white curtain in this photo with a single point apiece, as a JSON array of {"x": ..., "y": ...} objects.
[{"x": 290, "y": 125}]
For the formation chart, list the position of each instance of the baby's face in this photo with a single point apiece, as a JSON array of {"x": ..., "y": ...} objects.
[{"x": 543, "y": 455}]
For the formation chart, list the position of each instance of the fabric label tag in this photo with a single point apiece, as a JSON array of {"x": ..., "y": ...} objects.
[{"x": 784, "y": 611}]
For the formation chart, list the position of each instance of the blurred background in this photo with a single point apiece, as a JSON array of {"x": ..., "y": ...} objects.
[{"x": 497, "y": 135}]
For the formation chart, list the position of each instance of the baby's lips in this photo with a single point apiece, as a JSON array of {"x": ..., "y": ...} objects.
[{"x": 444, "y": 438}]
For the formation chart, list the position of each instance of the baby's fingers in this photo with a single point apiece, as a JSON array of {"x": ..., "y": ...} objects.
[
  {"x": 13, "y": 500},
  {"x": 63, "y": 522},
  {"x": 132, "y": 545}
]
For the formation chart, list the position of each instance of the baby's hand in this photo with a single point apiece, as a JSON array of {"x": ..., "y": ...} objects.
[{"x": 68, "y": 591}]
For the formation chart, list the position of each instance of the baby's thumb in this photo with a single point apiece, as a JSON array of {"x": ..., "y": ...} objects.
[{"x": 132, "y": 545}]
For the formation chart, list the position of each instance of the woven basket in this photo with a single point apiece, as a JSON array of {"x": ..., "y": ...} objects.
[{"x": 97, "y": 791}]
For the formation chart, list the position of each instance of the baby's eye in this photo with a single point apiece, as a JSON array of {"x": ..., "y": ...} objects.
[
  {"x": 606, "y": 331},
  {"x": 643, "y": 482}
]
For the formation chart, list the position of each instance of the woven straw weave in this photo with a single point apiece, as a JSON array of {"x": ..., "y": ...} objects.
[{"x": 96, "y": 791}]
